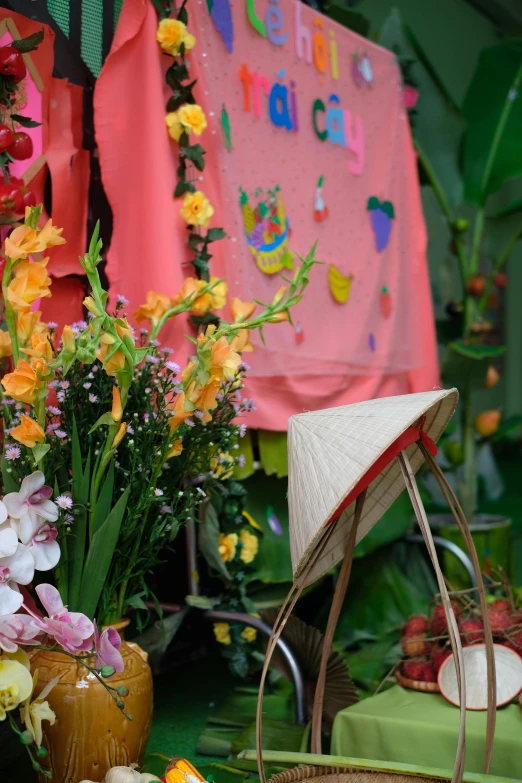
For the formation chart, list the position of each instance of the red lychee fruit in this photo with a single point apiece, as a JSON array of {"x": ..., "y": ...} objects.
[
  {"x": 471, "y": 631},
  {"x": 428, "y": 674},
  {"x": 499, "y": 620},
  {"x": 438, "y": 656},
  {"x": 438, "y": 623},
  {"x": 501, "y": 605},
  {"x": 413, "y": 670},
  {"x": 415, "y": 626},
  {"x": 415, "y": 646},
  {"x": 515, "y": 642}
]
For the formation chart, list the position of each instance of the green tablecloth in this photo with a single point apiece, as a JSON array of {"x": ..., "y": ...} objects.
[{"x": 421, "y": 728}]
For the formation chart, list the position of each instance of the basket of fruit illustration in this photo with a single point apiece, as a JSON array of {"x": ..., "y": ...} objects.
[
  {"x": 346, "y": 466},
  {"x": 267, "y": 230}
]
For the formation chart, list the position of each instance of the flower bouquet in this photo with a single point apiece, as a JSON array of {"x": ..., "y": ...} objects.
[{"x": 108, "y": 448}]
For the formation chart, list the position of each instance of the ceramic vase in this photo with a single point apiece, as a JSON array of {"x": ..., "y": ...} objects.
[{"x": 91, "y": 734}]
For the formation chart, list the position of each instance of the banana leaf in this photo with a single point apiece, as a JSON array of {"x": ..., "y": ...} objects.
[
  {"x": 493, "y": 110},
  {"x": 438, "y": 126}
]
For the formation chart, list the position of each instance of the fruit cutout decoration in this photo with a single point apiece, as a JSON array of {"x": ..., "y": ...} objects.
[
  {"x": 340, "y": 285},
  {"x": 267, "y": 230},
  {"x": 299, "y": 334},
  {"x": 381, "y": 215},
  {"x": 221, "y": 14},
  {"x": 362, "y": 71},
  {"x": 371, "y": 342},
  {"x": 320, "y": 208},
  {"x": 385, "y": 302},
  {"x": 225, "y": 124}
]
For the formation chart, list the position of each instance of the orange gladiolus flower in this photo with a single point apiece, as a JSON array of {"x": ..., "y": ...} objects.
[
  {"x": 117, "y": 410},
  {"x": 180, "y": 414},
  {"x": 28, "y": 322},
  {"x": 68, "y": 340},
  {"x": 30, "y": 282},
  {"x": 23, "y": 383},
  {"x": 28, "y": 432},
  {"x": 114, "y": 364},
  {"x": 124, "y": 330},
  {"x": 154, "y": 309},
  {"x": 206, "y": 399},
  {"x": 212, "y": 300},
  {"x": 241, "y": 342},
  {"x": 50, "y": 236},
  {"x": 224, "y": 360},
  {"x": 119, "y": 435},
  {"x": 6, "y": 349},
  {"x": 40, "y": 347},
  {"x": 176, "y": 449},
  {"x": 277, "y": 318},
  {"x": 22, "y": 241},
  {"x": 241, "y": 311}
]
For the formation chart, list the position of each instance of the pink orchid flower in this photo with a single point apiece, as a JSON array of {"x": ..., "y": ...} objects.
[
  {"x": 40, "y": 538},
  {"x": 108, "y": 649},
  {"x": 17, "y": 629},
  {"x": 33, "y": 495},
  {"x": 72, "y": 630}
]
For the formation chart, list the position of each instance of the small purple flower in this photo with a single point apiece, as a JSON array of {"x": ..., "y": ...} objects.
[
  {"x": 68, "y": 519},
  {"x": 204, "y": 494},
  {"x": 52, "y": 325},
  {"x": 60, "y": 434},
  {"x": 152, "y": 359},
  {"x": 93, "y": 398},
  {"x": 143, "y": 331},
  {"x": 173, "y": 366},
  {"x": 52, "y": 384},
  {"x": 122, "y": 300},
  {"x": 130, "y": 430},
  {"x": 8, "y": 401},
  {"x": 219, "y": 397},
  {"x": 90, "y": 316},
  {"x": 166, "y": 350},
  {"x": 242, "y": 430},
  {"x": 273, "y": 522},
  {"x": 12, "y": 452},
  {"x": 60, "y": 396},
  {"x": 64, "y": 502},
  {"x": 64, "y": 384},
  {"x": 199, "y": 414},
  {"x": 95, "y": 367},
  {"x": 81, "y": 325},
  {"x": 190, "y": 422},
  {"x": 87, "y": 385},
  {"x": 52, "y": 427},
  {"x": 19, "y": 406},
  {"x": 166, "y": 510},
  {"x": 156, "y": 343},
  {"x": 241, "y": 460},
  {"x": 244, "y": 366},
  {"x": 54, "y": 410},
  {"x": 147, "y": 391},
  {"x": 158, "y": 492}
]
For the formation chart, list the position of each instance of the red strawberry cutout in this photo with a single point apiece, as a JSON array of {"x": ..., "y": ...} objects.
[{"x": 385, "y": 302}]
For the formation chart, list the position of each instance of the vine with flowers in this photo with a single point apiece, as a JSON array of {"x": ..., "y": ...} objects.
[{"x": 184, "y": 118}]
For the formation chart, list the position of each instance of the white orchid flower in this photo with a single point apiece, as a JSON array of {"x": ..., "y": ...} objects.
[
  {"x": 40, "y": 538},
  {"x": 33, "y": 495},
  {"x": 8, "y": 539},
  {"x": 16, "y": 569}
]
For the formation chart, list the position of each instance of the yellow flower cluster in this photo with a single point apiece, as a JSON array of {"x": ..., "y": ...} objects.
[
  {"x": 222, "y": 633},
  {"x": 197, "y": 209},
  {"x": 228, "y": 544},
  {"x": 172, "y": 34},
  {"x": 188, "y": 119}
]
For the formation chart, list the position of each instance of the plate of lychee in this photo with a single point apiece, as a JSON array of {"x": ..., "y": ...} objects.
[{"x": 426, "y": 648}]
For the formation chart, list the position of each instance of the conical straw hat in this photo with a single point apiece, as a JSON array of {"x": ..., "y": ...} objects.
[{"x": 329, "y": 455}]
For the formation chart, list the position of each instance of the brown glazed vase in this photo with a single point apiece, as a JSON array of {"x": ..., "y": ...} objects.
[{"x": 90, "y": 734}]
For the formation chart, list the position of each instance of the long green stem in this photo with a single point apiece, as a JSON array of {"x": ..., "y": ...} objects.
[
  {"x": 468, "y": 489},
  {"x": 10, "y": 315},
  {"x": 106, "y": 457},
  {"x": 478, "y": 232}
]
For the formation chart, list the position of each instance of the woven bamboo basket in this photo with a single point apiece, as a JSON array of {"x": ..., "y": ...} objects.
[
  {"x": 416, "y": 685},
  {"x": 346, "y": 466}
]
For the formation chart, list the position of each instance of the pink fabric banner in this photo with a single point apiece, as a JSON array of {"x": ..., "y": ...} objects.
[{"x": 298, "y": 151}]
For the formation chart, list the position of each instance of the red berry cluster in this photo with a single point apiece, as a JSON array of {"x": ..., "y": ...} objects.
[
  {"x": 425, "y": 641},
  {"x": 14, "y": 145}
]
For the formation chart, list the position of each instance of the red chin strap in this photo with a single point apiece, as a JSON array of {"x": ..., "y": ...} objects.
[{"x": 408, "y": 437}]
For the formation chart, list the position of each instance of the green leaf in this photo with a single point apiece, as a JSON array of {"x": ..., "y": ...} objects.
[
  {"x": 183, "y": 15},
  {"x": 40, "y": 450},
  {"x": 10, "y": 485},
  {"x": 438, "y": 125},
  {"x": 137, "y": 602},
  {"x": 387, "y": 208},
  {"x": 105, "y": 418},
  {"x": 508, "y": 426},
  {"x": 493, "y": 110},
  {"x": 213, "y": 234},
  {"x": 208, "y": 540},
  {"x": 183, "y": 187},
  {"x": 373, "y": 203},
  {"x": 25, "y": 122},
  {"x": 77, "y": 539},
  {"x": 195, "y": 240},
  {"x": 100, "y": 556},
  {"x": 478, "y": 352},
  {"x": 510, "y": 209},
  {"x": 28, "y": 44},
  {"x": 104, "y": 502}
]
